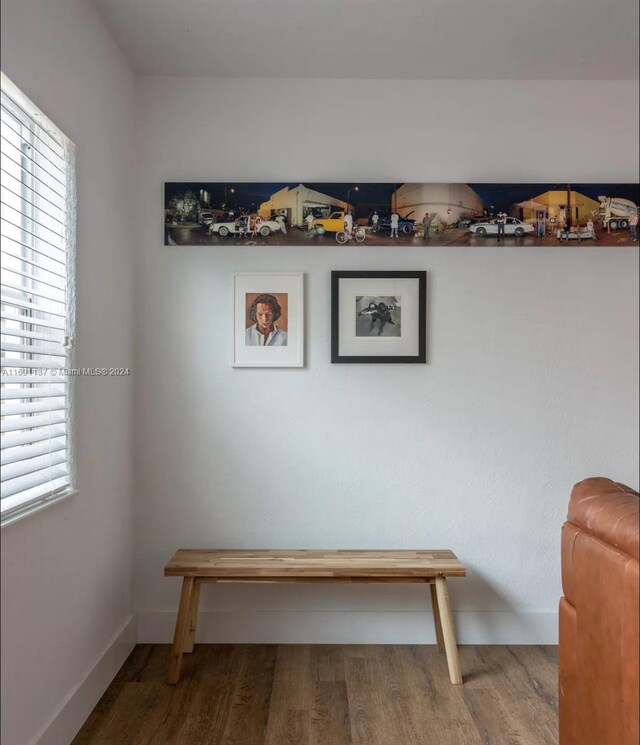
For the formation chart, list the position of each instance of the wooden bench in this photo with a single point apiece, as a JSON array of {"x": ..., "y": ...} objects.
[{"x": 199, "y": 566}]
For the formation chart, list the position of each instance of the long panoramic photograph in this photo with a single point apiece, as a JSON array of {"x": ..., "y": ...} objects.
[{"x": 379, "y": 214}]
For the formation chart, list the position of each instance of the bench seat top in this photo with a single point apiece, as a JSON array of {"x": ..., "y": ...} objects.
[{"x": 313, "y": 564}]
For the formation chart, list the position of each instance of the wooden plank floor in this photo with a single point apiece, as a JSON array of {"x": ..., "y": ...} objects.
[{"x": 330, "y": 695}]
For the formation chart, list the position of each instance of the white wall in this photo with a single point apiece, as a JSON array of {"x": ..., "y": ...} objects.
[
  {"x": 531, "y": 383},
  {"x": 66, "y": 581}
]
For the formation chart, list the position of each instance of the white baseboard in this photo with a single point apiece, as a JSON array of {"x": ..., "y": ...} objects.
[
  {"x": 351, "y": 627},
  {"x": 79, "y": 703}
]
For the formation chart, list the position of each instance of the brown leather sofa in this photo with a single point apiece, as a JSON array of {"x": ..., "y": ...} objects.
[{"x": 598, "y": 657}]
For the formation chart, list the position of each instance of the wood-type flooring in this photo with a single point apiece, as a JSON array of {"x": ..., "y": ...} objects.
[{"x": 330, "y": 695}]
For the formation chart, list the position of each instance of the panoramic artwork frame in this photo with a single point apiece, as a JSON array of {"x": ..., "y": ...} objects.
[
  {"x": 268, "y": 320},
  {"x": 224, "y": 214},
  {"x": 379, "y": 316}
]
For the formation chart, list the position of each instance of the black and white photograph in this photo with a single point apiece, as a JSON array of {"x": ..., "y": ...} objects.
[{"x": 378, "y": 316}]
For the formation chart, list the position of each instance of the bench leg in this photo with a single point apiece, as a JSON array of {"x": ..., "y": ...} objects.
[
  {"x": 193, "y": 617},
  {"x": 436, "y": 617},
  {"x": 448, "y": 631},
  {"x": 182, "y": 630}
]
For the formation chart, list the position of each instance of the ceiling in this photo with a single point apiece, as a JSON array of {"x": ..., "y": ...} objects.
[{"x": 385, "y": 39}]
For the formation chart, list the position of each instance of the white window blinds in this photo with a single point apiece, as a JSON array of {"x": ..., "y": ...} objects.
[{"x": 36, "y": 306}]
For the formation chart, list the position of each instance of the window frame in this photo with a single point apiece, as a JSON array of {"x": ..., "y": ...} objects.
[{"x": 32, "y": 120}]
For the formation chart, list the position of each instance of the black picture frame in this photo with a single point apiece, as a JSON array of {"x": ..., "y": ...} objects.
[{"x": 421, "y": 308}]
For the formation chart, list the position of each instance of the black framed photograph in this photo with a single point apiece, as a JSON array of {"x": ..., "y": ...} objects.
[{"x": 378, "y": 316}]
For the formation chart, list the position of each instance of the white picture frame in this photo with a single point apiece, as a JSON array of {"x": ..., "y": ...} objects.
[{"x": 268, "y": 320}]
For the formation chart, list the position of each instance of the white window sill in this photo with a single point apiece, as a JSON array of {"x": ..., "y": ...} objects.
[{"x": 19, "y": 513}]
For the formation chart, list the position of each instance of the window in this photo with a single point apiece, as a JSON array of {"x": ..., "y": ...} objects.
[{"x": 36, "y": 307}]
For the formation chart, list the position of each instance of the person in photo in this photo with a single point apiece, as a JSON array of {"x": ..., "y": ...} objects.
[
  {"x": 633, "y": 226},
  {"x": 426, "y": 225},
  {"x": 253, "y": 226},
  {"x": 378, "y": 313},
  {"x": 242, "y": 227},
  {"x": 309, "y": 220},
  {"x": 282, "y": 222},
  {"x": 348, "y": 223},
  {"x": 264, "y": 312},
  {"x": 395, "y": 221}
]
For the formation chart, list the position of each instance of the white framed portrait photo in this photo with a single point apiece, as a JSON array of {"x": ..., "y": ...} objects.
[{"x": 268, "y": 320}]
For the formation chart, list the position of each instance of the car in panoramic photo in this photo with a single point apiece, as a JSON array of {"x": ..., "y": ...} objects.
[
  {"x": 332, "y": 224},
  {"x": 512, "y": 226},
  {"x": 405, "y": 224},
  {"x": 466, "y": 222},
  {"x": 244, "y": 225}
]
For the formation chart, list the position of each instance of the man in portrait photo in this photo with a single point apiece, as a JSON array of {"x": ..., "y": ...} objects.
[{"x": 264, "y": 311}]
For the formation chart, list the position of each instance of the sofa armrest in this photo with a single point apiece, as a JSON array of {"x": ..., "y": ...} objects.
[{"x": 609, "y": 511}]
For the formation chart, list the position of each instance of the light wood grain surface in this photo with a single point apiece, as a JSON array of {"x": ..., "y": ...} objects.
[
  {"x": 311, "y": 564},
  {"x": 330, "y": 695},
  {"x": 303, "y": 565}
]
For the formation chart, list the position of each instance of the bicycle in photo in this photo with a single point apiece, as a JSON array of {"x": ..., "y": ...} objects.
[{"x": 358, "y": 235}]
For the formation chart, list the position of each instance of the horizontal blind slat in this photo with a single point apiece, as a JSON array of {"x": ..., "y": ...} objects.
[
  {"x": 11, "y": 286},
  {"x": 25, "y": 452},
  {"x": 39, "y": 185},
  {"x": 38, "y": 188},
  {"x": 35, "y": 216},
  {"x": 14, "y": 109},
  {"x": 22, "y": 483},
  {"x": 58, "y": 403},
  {"x": 18, "y": 424},
  {"x": 34, "y": 275},
  {"x": 37, "y": 391},
  {"x": 16, "y": 470},
  {"x": 26, "y": 378},
  {"x": 50, "y": 335},
  {"x": 18, "y": 247},
  {"x": 10, "y": 227},
  {"x": 31, "y": 168},
  {"x": 13, "y": 439},
  {"x": 16, "y": 301},
  {"x": 8, "y": 194},
  {"x": 34, "y": 263},
  {"x": 12, "y": 289},
  {"x": 20, "y": 363},
  {"x": 19, "y": 218},
  {"x": 27, "y": 127},
  {"x": 13, "y": 113},
  {"x": 10, "y": 314},
  {"x": 34, "y": 496},
  {"x": 51, "y": 350},
  {"x": 52, "y": 203},
  {"x": 25, "y": 154},
  {"x": 30, "y": 207},
  {"x": 45, "y": 150}
]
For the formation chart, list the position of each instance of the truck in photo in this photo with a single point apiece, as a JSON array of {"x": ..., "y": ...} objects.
[{"x": 614, "y": 212}]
